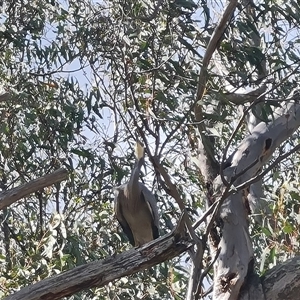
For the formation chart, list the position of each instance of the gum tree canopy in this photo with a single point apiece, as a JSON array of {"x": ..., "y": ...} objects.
[{"x": 211, "y": 90}]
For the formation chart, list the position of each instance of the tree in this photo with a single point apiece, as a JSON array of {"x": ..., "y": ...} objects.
[{"x": 210, "y": 90}]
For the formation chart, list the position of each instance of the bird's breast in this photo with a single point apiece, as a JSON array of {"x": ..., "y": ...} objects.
[{"x": 140, "y": 221}]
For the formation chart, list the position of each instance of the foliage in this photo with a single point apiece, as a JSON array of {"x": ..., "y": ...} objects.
[{"x": 88, "y": 79}]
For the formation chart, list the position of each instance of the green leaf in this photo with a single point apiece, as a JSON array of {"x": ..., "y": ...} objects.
[
  {"x": 82, "y": 152},
  {"x": 288, "y": 228}
]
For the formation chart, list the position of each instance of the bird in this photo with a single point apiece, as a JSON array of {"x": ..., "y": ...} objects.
[{"x": 136, "y": 207}]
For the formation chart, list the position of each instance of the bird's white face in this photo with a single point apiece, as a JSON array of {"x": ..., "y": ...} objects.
[{"x": 139, "y": 150}]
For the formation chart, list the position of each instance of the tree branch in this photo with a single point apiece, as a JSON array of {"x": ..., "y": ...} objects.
[
  {"x": 211, "y": 48},
  {"x": 206, "y": 155},
  {"x": 236, "y": 250},
  {"x": 251, "y": 96},
  {"x": 100, "y": 273},
  {"x": 283, "y": 281},
  {"x": 9, "y": 197}
]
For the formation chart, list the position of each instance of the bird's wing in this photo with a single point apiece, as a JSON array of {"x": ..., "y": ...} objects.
[
  {"x": 152, "y": 205},
  {"x": 120, "y": 216}
]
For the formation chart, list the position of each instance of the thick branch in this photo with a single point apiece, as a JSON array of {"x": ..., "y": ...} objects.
[
  {"x": 205, "y": 147},
  {"x": 206, "y": 155},
  {"x": 9, "y": 197},
  {"x": 247, "y": 97},
  {"x": 283, "y": 281},
  {"x": 100, "y": 273},
  {"x": 252, "y": 154}
]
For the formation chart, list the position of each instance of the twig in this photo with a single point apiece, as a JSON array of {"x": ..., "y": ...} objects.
[
  {"x": 205, "y": 272},
  {"x": 153, "y": 15},
  {"x": 205, "y": 215}
]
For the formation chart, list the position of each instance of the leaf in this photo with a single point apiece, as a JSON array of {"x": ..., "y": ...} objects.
[
  {"x": 206, "y": 12},
  {"x": 288, "y": 228},
  {"x": 82, "y": 152},
  {"x": 188, "y": 4},
  {"x": 272, "y": 255},
  {"x": 89, "y": 104},
  {"x": 264, "y": 254},
  {"x": 266, "y": 231},
  {"x": 188, "y": 46},
  {"x": 96, "y": 111}
]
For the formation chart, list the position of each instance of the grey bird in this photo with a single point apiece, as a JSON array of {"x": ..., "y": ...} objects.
[{"x": 136, "y": 207}]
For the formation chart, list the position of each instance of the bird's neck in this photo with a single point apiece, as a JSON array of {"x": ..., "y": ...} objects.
[
  {"x": 133, "y": 184},
  {"x": 134, "y": 178}
]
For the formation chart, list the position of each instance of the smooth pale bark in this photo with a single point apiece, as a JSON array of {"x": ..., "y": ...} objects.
[
  {"x": 10, "y": 196},
  {"x": 236, "y": 253},
  {"x": 258, "y": 205},
  {"x": 255, "y": 150},
  {"x": 100, "y": 273}
]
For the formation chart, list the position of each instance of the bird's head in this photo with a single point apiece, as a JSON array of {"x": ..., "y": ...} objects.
[{"x": 139, "y": 151}]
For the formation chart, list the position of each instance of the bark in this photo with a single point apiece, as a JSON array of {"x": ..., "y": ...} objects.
[
  {"x": 100, "y": 273},
  {"x": 258, "y": 205},
  {"x": 206, "y": 153},
  {"x": 236, "y": 255},
  {"x": 10, "y": 196},
  {"x": 252, "y": 289},
  {"x": 283, "y": 281}
]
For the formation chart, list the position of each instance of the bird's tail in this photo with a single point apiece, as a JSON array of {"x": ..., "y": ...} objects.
[{"x": 139, "y": 150}]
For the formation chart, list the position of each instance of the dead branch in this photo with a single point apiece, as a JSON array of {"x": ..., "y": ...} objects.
[
  {"x": 100, "y": 273},
  {"x": 11, "y": 196}
]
